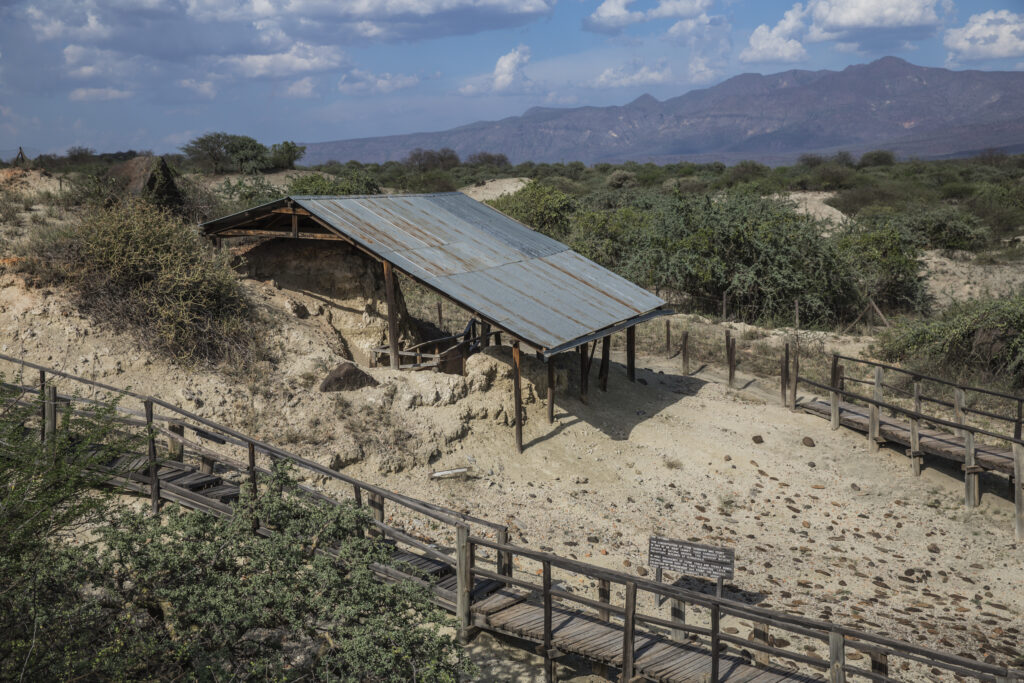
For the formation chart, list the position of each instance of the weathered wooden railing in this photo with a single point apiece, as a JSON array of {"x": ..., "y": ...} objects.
[
  {"x": 176, "y": 422},
  {"x": 1010, "y": 461},
  {"x": 459, "y": 346}
]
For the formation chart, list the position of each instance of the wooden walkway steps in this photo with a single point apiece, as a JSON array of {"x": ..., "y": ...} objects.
[{"x": 932, "y": 441}]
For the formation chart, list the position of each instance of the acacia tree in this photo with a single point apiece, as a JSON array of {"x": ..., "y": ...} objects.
[{"x": 209, "y": 152}]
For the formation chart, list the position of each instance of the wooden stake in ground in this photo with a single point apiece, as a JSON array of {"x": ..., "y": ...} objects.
[
  {"x": 551, "y": 390},
  {"x": 517, "y": 391},
  {"x": 389, "y": 290},
  {"x": 631, "y": 353},
  {"x": 602, "y": 372}
]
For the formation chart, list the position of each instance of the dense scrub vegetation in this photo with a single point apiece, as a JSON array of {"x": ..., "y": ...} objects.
[
  {"x": 977, "y": 341},
  {"x": 192, "y": 597},
  {"x": 136, "y": 265}
]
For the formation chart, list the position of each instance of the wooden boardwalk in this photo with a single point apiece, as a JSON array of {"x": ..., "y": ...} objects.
[{"x": 934, "y": 442}]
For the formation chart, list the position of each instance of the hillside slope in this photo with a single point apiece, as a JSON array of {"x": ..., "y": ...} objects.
[{"x": 890, "y": 103}]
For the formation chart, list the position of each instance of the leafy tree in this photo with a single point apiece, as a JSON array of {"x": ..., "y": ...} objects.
[
  {"x": 878, "y": 157},
  {"x": 886, "y": 260},
  {"x": 424, "y": 160},
  {"x": 488, "y": 159},
  {"x": 285, "y": 154},
  {"x": 352, "y": 182},
  {"x": 209, "y": 152},
  {"x": 246, "y": 153},
  {"x": 78, "y": 154}
]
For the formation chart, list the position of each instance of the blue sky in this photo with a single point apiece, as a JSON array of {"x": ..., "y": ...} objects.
[{"x": 151, "y": 74}]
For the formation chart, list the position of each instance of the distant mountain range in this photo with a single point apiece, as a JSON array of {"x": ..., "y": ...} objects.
[{"x": 889, "y": 103}]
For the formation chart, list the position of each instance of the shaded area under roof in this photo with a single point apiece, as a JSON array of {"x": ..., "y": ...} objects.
[{"x": 515, "y": 278}]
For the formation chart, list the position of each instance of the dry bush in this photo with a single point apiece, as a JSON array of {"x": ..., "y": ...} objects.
[{"x": 137, "y": 266}]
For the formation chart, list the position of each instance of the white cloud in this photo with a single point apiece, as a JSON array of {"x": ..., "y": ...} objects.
[
  {"x": 48, "y": 26},
  {"x": 777, "y": 44},
  {"x": 98, "y": 94},
  {"x": 612, "y": 15},
  {"x": 300, "y": 58},
  {"x": 508, "y": 74},
  {"x": 632, "y": 75},
  {"x": 357, "y": 81},
  {"x": 204, "y": 88},
  {"x": 301, "y": 88},
  {"x": 989, "y": 35},
  {"x": 846, "y": 15},
  {"x": 91, "y": 62},
  {"x": 701, "y": 71}
]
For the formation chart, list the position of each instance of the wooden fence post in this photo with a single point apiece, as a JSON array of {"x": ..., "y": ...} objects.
[
  {"x": 517, "y": 391},
  {"x": 716, "y": 620},
  {"x": 376, "y": 503},
  {"x": 686, "y": 352},
  {"x": 628, "y": 624},
  {"x": 604, "y": 594},
  {"x": 549, "y": 663},
  {"x": 761, "y": 636},
  {"x": 972, "y": 473},
  {"x": 42, "y": 406},
  {"x": 1018, "y": 489},
  {"x": 668, "y": 338},
  {"x": 1020, "y": 419},
  {"x": 50, "y": 413},
  {"x": 504, "y": 557},
  {"x": 677, "y": 612},
  {"x": 784, "y": 375},
  {"x": 874, "y": 424},
  {"x": 916, "y": 457},
  {"x": 794, "y": 378},
  {"x": 357, "y": 494},
  {"x": 959, "y": 403},
  {"x": 175, "y": 448},
  {"x": 879, "y": 663},
  {"x": 834, "y": 396},
  {"x": 464, "y": 582},
  {"x": 252, "y": 481},
  {"x": 836, "y": 657},
  {"x": 730, "y": 356},
  {"x": 154, "y": 481}
]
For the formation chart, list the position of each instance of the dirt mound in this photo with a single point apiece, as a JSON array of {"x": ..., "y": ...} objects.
[
  {"x": 347, "y": 377},
  {"x": 493, "y": 189}
]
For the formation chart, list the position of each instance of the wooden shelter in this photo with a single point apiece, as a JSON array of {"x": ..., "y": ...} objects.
[{"x": 514, "y": 280}]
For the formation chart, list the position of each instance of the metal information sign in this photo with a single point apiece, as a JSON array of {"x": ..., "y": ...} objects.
[{"x": 692, "y": 559}]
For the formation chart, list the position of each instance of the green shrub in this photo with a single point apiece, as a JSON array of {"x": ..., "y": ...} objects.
[
  {"x": 249, "y": 191},
  {"x": 936, "y": 227},
  {"x": 878, "y": 157},
  {"x": 540, "y": 206},
  {"x": 10, "y": 207},
  {"x": 137, "y": 266},
  {"x": 886, "y": 260},
  {"x": 975, "y": 340},
  {"x": 353, "y": 182},
  {"x": 621, "y": 178}
]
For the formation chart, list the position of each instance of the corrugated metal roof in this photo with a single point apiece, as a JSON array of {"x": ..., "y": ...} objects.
[{"x": 527, "y": 283}]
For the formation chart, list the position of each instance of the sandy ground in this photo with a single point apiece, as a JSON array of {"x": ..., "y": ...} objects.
[
  {"x": 493, "y": 189},
  {"x": 813, "y": 203},
  {"x": 952, "y": 279}
]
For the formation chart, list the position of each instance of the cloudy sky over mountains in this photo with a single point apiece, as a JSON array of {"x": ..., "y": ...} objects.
[{"x": 151, "y": 74}]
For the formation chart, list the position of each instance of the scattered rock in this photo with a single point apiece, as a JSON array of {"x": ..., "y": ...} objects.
[
  {"x": 808, "y": 441},
  {"x": 298, "y": 309},
  {"x": 347, "y": 377},
  {"x": 757, "y": 438},
  {"x": 812, "y": 464},
  {"x": 854, "y": 487},
  {"x": 933, "y": 548}
]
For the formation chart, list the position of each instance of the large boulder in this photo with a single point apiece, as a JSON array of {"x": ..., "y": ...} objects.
[{"x": 347, "y": 377}]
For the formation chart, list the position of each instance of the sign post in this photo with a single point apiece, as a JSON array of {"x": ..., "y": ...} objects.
[{"x": 692, "y": 559}]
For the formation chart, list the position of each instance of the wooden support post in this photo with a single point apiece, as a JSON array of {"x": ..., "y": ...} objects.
[
  {"x": 842, "y": 379},
  {"x": 517, "y": 391},
  {"x": 549, "y": 663},
  {"x": 1018, "y": 489},
  {"x": 631, "y": 353},
  {"x": 440, "y": 317},
  {"x": 504, "y": 557},
  {"x": 972, "y": 475},
  {"x": 376, "y": 503},
  {"x": 389, "y": 290},
  {"x": 916, "y": 456},
  {"x": 761, "y": 637},
  {"x": 485, "y": 335},
  {"x": 602, "y": 372},
  {"x": 836, "y": 657},
  {"x": 551, "y": 390},
  {"x": 50, "y": 413},
  {"x": 731, "y": 357},
  {"x": 874, "y": 419},
  {"x": 254, "y": 490},
  {"x": 628, "y": 624},
  {"x": 176, "y": 449},
  {"x": 685, "y": 352},
  {"x": 794, "y": 377},
  {"x": 784, "y": 375},
  {"x": 796, "y": 312},
  {"x": 584, "y": 372},
  {"x": 879, "y": 663},
  {"x": 834, "y": 396},
  {"x": 357, "y": 494},
  {"x": 677, "y": 614},
  {"x": 42, "y": 406},
  {"x": 716, "y": 620},
  {"x": 295, "y": 226},
  {"x": 1016, "y": 426},
  {"x": 959, "y": 403},
  {"x": 668, "y": 338},
  {"x": 464, "y": 582},
  {"x": 604, "y": 595},
  {"x": 154, "y": 481}
]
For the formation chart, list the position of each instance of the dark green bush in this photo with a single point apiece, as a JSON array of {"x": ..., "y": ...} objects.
[
  {"x": 937, "y": 227},
  {"x": 977, "y": 340},
  {"x": 885, "y": 258},
  {"x": 137, "y": 266},
  {"x": 540, "y": 206},
  {"x": 249, "y": 191},
  {"x": 352, "y": 182},
  {"x": 878, "y": 157}
]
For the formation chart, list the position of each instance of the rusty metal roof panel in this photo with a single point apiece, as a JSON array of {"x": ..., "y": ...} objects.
[{"x": 526, "y": 283}]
